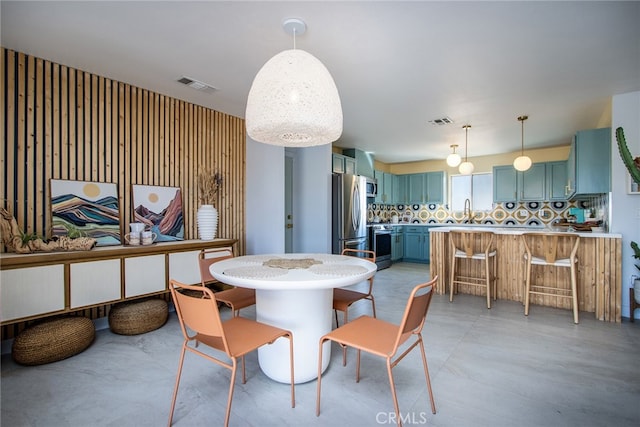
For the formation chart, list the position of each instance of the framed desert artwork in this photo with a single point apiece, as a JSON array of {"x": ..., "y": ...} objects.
[
  {"x": 160, "y": 208},
  {"x": 85, "y": 209}
]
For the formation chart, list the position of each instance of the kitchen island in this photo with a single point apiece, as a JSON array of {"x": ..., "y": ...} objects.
[{"x": 599, "y": 270}]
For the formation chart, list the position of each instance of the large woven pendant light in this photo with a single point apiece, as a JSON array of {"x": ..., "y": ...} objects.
[
  {"x": 293, "y": 101},
  {"x": 522, "y": 163}
]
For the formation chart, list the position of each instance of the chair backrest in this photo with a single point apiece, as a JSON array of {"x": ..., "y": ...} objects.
[
  {"x": 197, "y": 311},
  {"x": 416, "y": 310},
  {"x": 369, "y": 255},
  {"x": 551, "y": 247},
  {"x": 206, "y": 257},
  {"x": 471, "y": 241}
]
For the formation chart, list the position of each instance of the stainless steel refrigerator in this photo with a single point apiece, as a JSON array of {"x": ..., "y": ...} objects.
[{"x": 349, "y": 212}]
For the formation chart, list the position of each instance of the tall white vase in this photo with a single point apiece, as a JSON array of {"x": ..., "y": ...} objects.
[
  {"x": 636, "y": 290},
  {"x": 207, "y": 222}
]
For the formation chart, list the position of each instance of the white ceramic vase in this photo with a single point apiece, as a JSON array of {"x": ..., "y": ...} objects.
[
  {"x": 636, "y": 290},
  {"x": 207, "y": 222}
]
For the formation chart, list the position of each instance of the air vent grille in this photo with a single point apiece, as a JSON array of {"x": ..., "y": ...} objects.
[
  {"x": 441, "y": 121},
  {"x": 196, "y": 84}
]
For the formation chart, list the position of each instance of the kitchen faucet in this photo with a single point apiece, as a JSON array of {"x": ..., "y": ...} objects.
[{"x": 467, "y": 211}]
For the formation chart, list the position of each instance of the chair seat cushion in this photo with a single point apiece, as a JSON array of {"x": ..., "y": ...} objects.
[
  {"x": 479, "y": 255},
  {"x": 343, "y": 298},
  {"x": 53, "y": 340},
  {"x": 237, "y": 297},
  {"x": 564, "y": 262},
  {"x": 138, "y": 317}
]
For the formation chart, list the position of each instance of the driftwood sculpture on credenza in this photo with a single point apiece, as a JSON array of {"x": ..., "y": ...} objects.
[{"x": 19, "y": 242}]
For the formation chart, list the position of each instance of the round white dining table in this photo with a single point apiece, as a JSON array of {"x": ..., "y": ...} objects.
[{"x": 294, "y": 292}]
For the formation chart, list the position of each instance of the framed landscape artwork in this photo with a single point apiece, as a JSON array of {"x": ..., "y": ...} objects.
[
  {"x": 160, "y": 208},
  {"x": 85, "y": 209}
]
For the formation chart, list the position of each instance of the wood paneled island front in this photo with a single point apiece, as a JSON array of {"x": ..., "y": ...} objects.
[{"x": 599, "y": 270}]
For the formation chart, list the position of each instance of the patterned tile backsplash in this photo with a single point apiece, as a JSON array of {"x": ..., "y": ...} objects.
[{"x": 509, "y": 214}]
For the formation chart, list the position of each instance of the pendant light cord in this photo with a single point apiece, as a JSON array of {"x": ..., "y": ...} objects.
[
  {"x": 466, "y": 140},
  {"x": 294, "y": 38},
  {"x": 522, "y": 119},
  {"x": 522, "y": 138}
]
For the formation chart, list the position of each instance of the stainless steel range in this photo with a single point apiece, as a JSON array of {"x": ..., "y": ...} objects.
[{"x": 380, "y": 243}]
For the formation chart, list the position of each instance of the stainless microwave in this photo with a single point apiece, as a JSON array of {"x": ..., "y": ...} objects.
[{"x": 372, "y": 187}]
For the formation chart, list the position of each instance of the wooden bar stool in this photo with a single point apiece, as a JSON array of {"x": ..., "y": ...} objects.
[
  {"x": 551, "y": 250},
  {"x": 472, "y": 245}
]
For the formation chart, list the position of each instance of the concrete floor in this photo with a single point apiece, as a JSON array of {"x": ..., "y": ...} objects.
[{"x": 488, "y": 368}]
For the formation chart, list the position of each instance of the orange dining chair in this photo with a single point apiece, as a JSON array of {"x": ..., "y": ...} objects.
[
  {"x": 235, "y": 298},
  {"x": 343, "y": 298},
  {"x": 383, "y": 339},
  {"x": 200, "y": 323}
]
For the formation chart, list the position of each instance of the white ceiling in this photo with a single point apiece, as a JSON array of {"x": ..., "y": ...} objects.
[{"x": 397, "y": 65}]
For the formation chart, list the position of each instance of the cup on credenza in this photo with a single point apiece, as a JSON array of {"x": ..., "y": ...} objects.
[
  {"x": 137, "y": 227},
  {"x": 148, "y": 237},
  {"x": 132, "y": 238}
]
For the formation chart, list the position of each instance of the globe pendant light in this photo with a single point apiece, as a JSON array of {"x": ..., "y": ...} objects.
[
  {"x": 293, "y": 101},
  {"x": 523, "y": 162},
  {"x": 453, "y": 159},
  {"x": 466, "y": 167}
]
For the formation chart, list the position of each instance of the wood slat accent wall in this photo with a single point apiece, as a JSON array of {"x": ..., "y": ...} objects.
[
  {"x": 599, "y": 274},
  {"x": 63, "y": 123}
]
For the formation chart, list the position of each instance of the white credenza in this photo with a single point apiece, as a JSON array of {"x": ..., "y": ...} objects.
[{"x": 42, "y": 284}]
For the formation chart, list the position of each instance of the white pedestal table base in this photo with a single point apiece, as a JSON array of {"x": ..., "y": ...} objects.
[{"x": 308, "y": 315}]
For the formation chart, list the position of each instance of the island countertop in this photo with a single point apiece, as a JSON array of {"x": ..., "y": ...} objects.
[
  {"x": 599, "y": 269},
  {"x": 520, "y": 230}
]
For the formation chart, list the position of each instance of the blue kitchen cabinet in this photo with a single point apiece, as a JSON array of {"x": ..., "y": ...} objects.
[
  {"x": 426, "y": 187},
  {"x": 510, "y": 185},
  {"x": 435, "y": 187},
  {"x": 397, "y": 243},
  {"x": 363, "y": 161},
  {"x": 556, "y": 180},
  {"x": 416, "y": 187},
  {"x": 385, "y": 182},
  {"x": 532, "y": 183},
  {"x": 343, "y": 164},
  {"x": 399, "y": 189},
  {"x": 388, "y": 189},
  {"x": 505, "y": 184},
  {"x": 416, "y": 244},
  {"x": 589, "y": 163}
]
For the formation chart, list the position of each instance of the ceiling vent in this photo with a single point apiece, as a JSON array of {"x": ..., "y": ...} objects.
[
  {"x": 441, "y": 121},
  {"x": 197, "y": 85}
]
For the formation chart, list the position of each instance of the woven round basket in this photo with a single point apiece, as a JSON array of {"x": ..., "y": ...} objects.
[
  {"x": 53, "y": 340},
  {"x": 138, "y": 317}
]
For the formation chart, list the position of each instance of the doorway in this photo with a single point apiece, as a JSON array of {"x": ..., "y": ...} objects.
[{"x": 288, "y": 201}]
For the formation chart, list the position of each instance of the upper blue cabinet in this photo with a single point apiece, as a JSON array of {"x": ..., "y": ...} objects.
[
  {"x": 427, "y": 188},
  {"x": 343, "y": 164},
  {"x": 543, "y": 181},
  {"x": 364, "y": 161},
  {"x": 556, "y": 180},
  {"x": 589, "y": 164}
]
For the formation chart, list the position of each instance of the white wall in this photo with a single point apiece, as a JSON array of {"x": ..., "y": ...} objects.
[
  {"x": 312, "y": 199},
  {"x": 265, "y": 199},
  {"x": 625, "y": 208}
]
